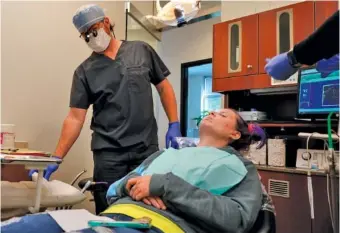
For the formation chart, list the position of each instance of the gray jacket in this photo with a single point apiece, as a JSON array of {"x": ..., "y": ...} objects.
[{"x": 195, "y": 210}]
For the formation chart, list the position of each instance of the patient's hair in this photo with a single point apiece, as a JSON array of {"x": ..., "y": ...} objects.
[{"x": 247, "y": 137}]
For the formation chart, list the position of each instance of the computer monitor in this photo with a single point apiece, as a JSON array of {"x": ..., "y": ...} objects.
[{"x": 317, "y": 96}]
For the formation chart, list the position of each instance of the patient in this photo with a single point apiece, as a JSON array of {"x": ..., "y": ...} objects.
[{"x": 208, "y": 188}]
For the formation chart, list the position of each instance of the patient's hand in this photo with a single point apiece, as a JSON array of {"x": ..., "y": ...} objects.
[
  {"x": 155, "y": 202},
  {"x": 138, "y": 187}
]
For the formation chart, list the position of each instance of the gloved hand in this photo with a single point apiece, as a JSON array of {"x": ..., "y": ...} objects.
[
  {"x": 179, "y": 14},
  {"x": 279, "y": 68},
  {"x": 326, "y": 67},
  {"x": 47, "y": 172},
  {"x": 173, "y": 132}
]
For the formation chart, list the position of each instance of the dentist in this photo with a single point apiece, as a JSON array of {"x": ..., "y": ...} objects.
[{"x": 116, "y": 80}]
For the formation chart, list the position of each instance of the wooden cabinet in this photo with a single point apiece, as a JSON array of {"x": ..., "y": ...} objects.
[
  {"x": 323, "y": 10},
  {"x": 14, "y": 173},
  {"x": 241, "y": 83},
  {"x": 235, "y": 49},
  {"x": 241, "y": 46},
  {"x": 293, "y": 212},
  {"x": 281, "y": 29}
]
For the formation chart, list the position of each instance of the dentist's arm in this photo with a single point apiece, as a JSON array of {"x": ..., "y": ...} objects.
[
  {"x": 159, "y": 73},
  {"x": 73, "y": 123},
  {"x": 70, "y": 132},
  {"x": 72, "y": 127},
  {"x": 168, "y": 99},
  {"x": 321, "y": 44}
]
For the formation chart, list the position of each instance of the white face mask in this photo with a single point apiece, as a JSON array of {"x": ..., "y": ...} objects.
[{"x": 100, "y": 42}]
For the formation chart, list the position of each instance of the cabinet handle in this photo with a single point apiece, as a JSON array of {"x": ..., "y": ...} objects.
[{"x": 249, "y": 66}]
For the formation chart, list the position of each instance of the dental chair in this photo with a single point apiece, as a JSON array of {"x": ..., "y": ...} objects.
[
  {"x": 18, "y": 197},
  {"x": 265, "y": 222}
]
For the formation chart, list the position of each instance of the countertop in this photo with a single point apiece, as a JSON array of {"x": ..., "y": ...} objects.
[{"x": 291, "y": 170}]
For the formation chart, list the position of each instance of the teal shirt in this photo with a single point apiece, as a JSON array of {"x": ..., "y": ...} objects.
[{"x": 207, "y": 168}]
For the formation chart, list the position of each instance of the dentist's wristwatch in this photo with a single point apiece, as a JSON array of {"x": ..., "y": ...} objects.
[{"x": 292, "y": 60}]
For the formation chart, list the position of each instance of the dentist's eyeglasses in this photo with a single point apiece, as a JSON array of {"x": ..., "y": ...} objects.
[{"x": 87, "y": 35}]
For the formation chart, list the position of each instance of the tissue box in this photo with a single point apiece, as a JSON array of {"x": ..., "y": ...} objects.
[{"x": 276, "y": 152}]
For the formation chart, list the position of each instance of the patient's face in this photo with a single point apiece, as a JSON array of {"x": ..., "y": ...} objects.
[{"x": 221, "y": 124}]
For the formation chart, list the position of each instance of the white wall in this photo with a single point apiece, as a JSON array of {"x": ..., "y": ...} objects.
[
  {"x": 181, "y": 45},
  {"x": 40, "y": 51},
  {"x": 145, "y": 7},
  {"x": 142, "y": 35}
]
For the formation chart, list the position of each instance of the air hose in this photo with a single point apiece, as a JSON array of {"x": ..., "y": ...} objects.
[{"x": 329, "y": 130}]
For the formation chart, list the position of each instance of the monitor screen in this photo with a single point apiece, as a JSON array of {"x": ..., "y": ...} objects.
[{"x": 318, "y": 95}]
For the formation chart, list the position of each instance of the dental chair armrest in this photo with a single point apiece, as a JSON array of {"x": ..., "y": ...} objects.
[{"x": 94, "y": 186}]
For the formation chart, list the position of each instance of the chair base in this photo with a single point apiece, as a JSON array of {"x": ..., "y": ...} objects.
[{"x": 265, "y": 223}]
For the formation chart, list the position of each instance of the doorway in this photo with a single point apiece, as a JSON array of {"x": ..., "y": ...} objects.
[{"x": 197, "y": 95}]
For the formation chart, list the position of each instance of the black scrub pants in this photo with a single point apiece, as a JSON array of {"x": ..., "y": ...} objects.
[{"x": 111, "y": 165}]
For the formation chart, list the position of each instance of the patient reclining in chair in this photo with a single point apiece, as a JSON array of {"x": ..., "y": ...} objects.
[{"x": 208, "y": 188}]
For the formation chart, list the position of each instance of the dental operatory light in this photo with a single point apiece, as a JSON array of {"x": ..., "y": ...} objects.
[{"x": 175, "y": 12}]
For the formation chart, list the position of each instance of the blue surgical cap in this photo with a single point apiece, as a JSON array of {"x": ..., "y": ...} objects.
[{"x": 86, "y": 16}]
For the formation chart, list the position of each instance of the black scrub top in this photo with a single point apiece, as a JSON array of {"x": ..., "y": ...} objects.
[
  {"x": 321, "y": 44},
  {"x": 121, "y": 95}
]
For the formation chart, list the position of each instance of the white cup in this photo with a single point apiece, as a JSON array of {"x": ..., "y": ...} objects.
[{"x": 7, "y": 136}]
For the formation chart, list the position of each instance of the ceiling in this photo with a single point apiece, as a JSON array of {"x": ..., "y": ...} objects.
[{"x": 202, "y": 70}]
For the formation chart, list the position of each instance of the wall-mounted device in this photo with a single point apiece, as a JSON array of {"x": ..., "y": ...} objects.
[{"x": 318, "y": 158}]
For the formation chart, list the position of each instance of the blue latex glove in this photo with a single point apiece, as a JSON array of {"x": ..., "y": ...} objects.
[
  {"x": 279, "y": 68},
  {"x": 47, "y": 172},
  {"x": 173, "y": 132},
  {"x": 181, "y": 20},
  {"x": 326, "y": 67}
]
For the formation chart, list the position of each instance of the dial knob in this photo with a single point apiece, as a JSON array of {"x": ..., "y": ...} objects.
[{"x": 306, "y": 155}]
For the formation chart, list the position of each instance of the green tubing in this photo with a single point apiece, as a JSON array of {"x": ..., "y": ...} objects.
[
  {"x": 200, "y": 118},
  {"x": 329, "y": 130}
]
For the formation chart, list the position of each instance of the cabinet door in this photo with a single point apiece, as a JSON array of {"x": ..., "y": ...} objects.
[
  {"x": 323, "y": 10},
  {"x": 280, "y": 29},
  {"x": 293, "y": 212},
  {"x": 220, "y": 47},
  {"x": 235, "y": 50}
]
